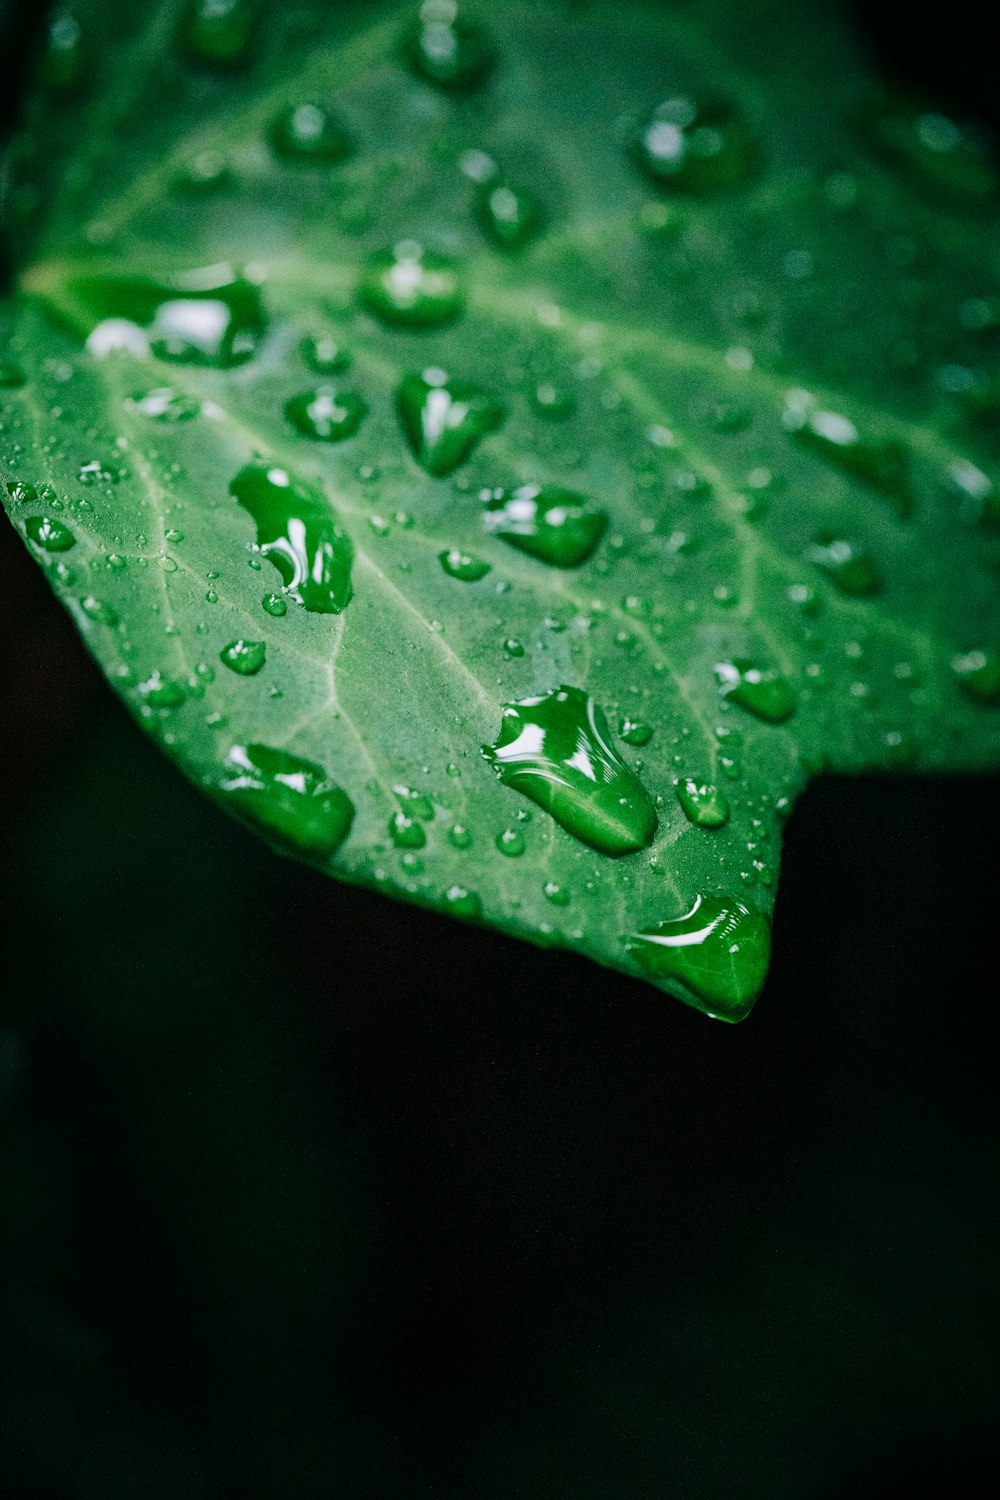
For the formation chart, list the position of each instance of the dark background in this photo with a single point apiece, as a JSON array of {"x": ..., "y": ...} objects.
[{"x": 303, "y": 1193}]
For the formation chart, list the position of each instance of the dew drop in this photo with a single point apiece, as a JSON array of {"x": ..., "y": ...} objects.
[
  {"x": 445, "y": 49},
  {"x": 293, "y": 801},
  {"x": 64, "y": 62},
  {"x": 210, "y": 316},
  {"x": 218, "y": 33},
  {"x": 417, "y": 804},
  {"x": 510, "y": 843},
  {"x": 298, "y": 532},
  {"x": 555, "y": 525},
  {"x": 162, "y": 692},
  {"x": 460, "y": 902},
  {"x": 978, "y": 675},
  {"x": 702, "y": 804},
  {"x": 244, "y": 657},
  {"x": 275, "y": 605},
  {"x": 556, "y": 893},
  {"x": 554, "y": 402},
  {"x": 976, "y": 493},
  {"x": 410, "y": 287},
  {"x": 512, "y": 648},
  {"x": 463, "y": 565},
  {"x": 21, "y": 492},
  {"x": 309, "y": 133},
  {"x": 163, "y": 404},
  {"x": 509, "y": 217},
  {"x": 326, "y": 414},
  {"x": 849, "y": 568},
  {"x": 99, "y": 612},
  {"x": 635, "y": 732},
  {"x": 49, "y": 534},
  {"x": 406, "y": 832},
  {"x": 936, "y": 150},
  {"x": 444, "y": 419},
  {"x": 717, "y": 955},
  {"x": 761, "y": 690},
  {"x": 324, "y": 355},
  {"x": 696, "y": 146},
  {"x": 556, "y": 749},
  {"x": 883, "y": 463},
  {"x": 459, "y": 836}
]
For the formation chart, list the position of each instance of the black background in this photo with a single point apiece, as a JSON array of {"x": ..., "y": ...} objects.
[{"x": 306, "y": 1193}]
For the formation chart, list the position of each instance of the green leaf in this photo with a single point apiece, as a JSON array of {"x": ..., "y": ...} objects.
[{"x": 503, "y": 454}]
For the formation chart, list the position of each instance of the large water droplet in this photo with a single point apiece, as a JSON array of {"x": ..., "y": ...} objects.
[
  {"x": 883, "y": 463},
  {"x": 703, "y": 804},
  {"x": 291, "y": 800},
  {"x": 210, "y": 316},
  {"x": 696, "y": 146},
  {"x": 761, "y": 690},
  {"x": 309, "y": 133},
  {"x": 849, "y": 568},
  {"x": 509, "y": 217},
  {"x": 444, "y": 419},
  {"x": 410, "y": 287},
  {"x": 326, "y": 414},
  {"x": 463, "y": 565},
  {"x": 555, "y": 525},
  {"x": 49, "y": 534},
  {"x": 218, "y": 33},
  {"x": 244, "y": 657},
  {"x": 717, "y": 955},
  {"x": 556, "y": 749},
  {"x": 450, "y": 52},
  {"x": 163, "y": 404},
  {"x": 978, "y": 675},
  {"x": 297, "y": 532}
]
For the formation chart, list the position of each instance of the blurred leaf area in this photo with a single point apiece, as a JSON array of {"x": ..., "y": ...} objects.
[{"x": 303, "y": 1193}]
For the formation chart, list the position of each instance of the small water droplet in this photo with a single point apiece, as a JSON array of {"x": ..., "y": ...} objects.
[
  {"x": 883, "y": 463},
  {"x": 411, "y": 287},
  {"x": 554, "y": 402},
  {"x": 761, "y": 690},
  {"x": 938, "y": 151},
  {"x": 49, "y": 534},
  {"x": 163, "y": 404},
  {"x": 556, "y": 893},
  {"x": 309, "y": 133},
  {"x": 276, "y": 605},
  {"x": 444, "y": 419},
  {"x": 291, "y": 800},
  {"x": 99, "y": 612},
  {"x": 297, "y": 532},
  {"x": 445, "y": 49},
  {"x": 510, "y": 217},
  {"x": 717, "y": 955},
  {"x": 555, "y": 525},
  {"x": 556, "y": 749},
  {"x": 459, "y": 836},
  {"x": 696, "y": 146},
  {"x": 849, "y": 568},
  {"x": 205, "y": 173},
  {"x": 218, "y": 33},
  {"x": 460, "y": 902},
  {"x": 64, "y": 61},
  {"x": 327, "y": 414},
  {"x": 406, "y": 832},
  {"x": 510, "y": 843},
  {"x": 703, "y": 804},
  {"x": 463, "y": 565},
  {"x": 244, "y": 657},
  {"x": 162, "y": 692},
  {"x": 512, "y": 648},
  {"x": 978, "y": 500},
  {"x": 978, "y": 675},
  {"x": 96, "y": 472},
  {"x": 635, "y": 732},
  {"x": 324, "y": 354}
]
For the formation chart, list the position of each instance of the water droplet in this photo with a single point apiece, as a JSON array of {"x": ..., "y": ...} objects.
[
  {"x": 703, "y": 804},
  {"x": 99, "y": 612},
  {"x": 49, "y": 534},
  {"x": 696, "y": 146},
  {"x": 939, "y": 151},
  {"x": 459, "y": 836},
  {"x": 417, "y": 804},
  {"x": 444, "y": 419},
  {"x": 512, "y": 648},
  {"x": 210, "y": 316},
  {"x": 552, "y": 401},
  {"x": 326, "y": 414},
  {"x": 297, "y": 532},
  {"x": 276, "y": 605},
  {"x": 11, "y": 376},
  {"x": 218, "y": 33},
  {"x": 762, "y": 691},
  {"x": 849, "y": 568},
  {"x": 324, "y": 355},
  {"x": 635, "y": 732},
  {"x": 163, "y": 404},
  {"x": 556, "y": 749},
  {"x": 207, "y": 172},
  {"x": 883, "y": 463},
  {"x": 717, "y": 954},
  {"x": 291, "y": 800},
  {"x": 511, "y": 843},
  {"x": 556, "y": 893},
  {"x": 21, "y": 492},
  {"x": 508, "y": 216},
  {"x": 978, "y": 675},
  {"x": 244, "y": 657},
  {"x": 977, "y": 495},
  {"x": 463, "y": 565},
  {"x": 162, "y": 692},
  {"x": 309, "y": 133},
  {"x": 410, "y": 287},
  {"x": 459, "y": 902},
  {"x": 555, "y": 525},
  {"x": 446, "y": 50},
  {"x": 64, "y": 62},
  {"x": 406, "y": 832}
]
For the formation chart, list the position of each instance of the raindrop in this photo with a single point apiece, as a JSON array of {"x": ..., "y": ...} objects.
[
  {"x": 555, "y": 525},
  {"x": 696, "y": 146},
  {"x": 218, "y": 33},
  {"x": 276, "y": 605},
  {"x": 460, "y": 902},
  {"x": 717, "y": 955},
  {"x": 508, "y": 216},
  {"x": 978, "y": 674},
  {"x": 444, "y": 419},
  {"x": 939, "y": 151},
  {"x": 554, "y": 402},
  {"x": 406, "y": 832},
  {"x": 445, "y": 49},
  {"x": 297, "y": 532},
  {"x": 162, "y": 692},
  {"x": 848, "y": 567},
  {"x": 459, "y": 836},
  {"x": 556, "y": 893},
  {"x": 883, "y": 463},
  {"x": 511, "y": 843},
  {"x": 635, "y": 732},
  {"x": 291, "y": 800},
  {"x": 244, "y": 657},
  {"x": 309, "y": 133},
  {"x": 64, "y": 62},
  {"x": 976, "y": 493},
  {"x": 99, "y": 612},
  {"x": 163, "y": 404},
  {"x": 410, "y": 287},
  {"x": 49, "y": 534},
  {"x": 326, "y": 414},
  {"x": 324, "y": 354},
  {"x": 463, "y": 565},
  {"x": 556, "y": 749},
  {"x": 761, "y": 690},
  {"x": 702, "y": 804},
  {"x": 210, "y": 316}
]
